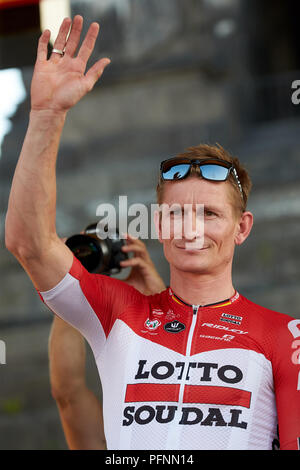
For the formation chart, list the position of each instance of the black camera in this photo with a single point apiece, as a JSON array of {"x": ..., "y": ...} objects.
[{"x": 98, "y": 255}]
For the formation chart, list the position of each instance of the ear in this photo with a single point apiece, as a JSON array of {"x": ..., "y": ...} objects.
[
  {"x": 157, "y": 223},
  {"x": 244, "y": 227}
]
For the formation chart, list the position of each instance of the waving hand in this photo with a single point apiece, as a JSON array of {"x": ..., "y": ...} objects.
[{"x": 62, "y": 80}]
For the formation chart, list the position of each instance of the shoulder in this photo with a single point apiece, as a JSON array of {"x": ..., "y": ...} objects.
[
  {"x": 271, "y": 318},
  {"x": 274, "y": 330},
  {"x": 79, "y": 272},
  {"x": 99, "y": 288}
]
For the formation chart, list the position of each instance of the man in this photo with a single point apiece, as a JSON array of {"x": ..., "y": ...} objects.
[
  {"x": 80, "y": 410},
  {"x": 197, "y": 366}
]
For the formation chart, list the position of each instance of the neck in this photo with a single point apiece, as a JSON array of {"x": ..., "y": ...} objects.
[{"x": 201, "y": 289}]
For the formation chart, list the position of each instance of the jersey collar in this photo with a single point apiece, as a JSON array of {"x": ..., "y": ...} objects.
[{"x": 222, "y": 303}]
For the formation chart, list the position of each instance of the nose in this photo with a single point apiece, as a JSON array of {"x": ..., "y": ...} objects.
[
  {"x": 193, "y": 227},
  {"x": 190, "y": 225}
]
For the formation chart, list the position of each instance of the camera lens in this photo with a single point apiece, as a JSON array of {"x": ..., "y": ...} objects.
[
  {"x": 87, "y": 250},
  {"x": 97, "y": 255}
]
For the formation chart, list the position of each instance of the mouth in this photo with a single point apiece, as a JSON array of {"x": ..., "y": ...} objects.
[{"x": 188, "y": 246}]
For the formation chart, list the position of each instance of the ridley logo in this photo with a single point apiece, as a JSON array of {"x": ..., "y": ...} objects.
[
  {"x": 221, "y": 327},
  {"x": 174, "y": 327}
]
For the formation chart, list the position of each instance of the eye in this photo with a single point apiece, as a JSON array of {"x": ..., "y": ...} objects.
[
  {"x": 175, "y": 212},
  {"x": 209, "y": 213}
]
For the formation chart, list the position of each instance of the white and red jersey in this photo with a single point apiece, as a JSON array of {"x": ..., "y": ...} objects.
[{"x": 175, "y": 376}]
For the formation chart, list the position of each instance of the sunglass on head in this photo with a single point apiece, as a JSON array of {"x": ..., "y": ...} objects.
[{"x": 175, "y": 169}]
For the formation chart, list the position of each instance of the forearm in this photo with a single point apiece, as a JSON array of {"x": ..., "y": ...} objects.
[
  {"x": 80, "y": 411},
  {"x": 30, "y": 221},
  {"x": 67, "y": 355},
  {"x": 82, "y": 421}
]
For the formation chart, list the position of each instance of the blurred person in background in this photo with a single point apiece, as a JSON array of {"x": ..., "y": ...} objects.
[{"x": 79, "y": 408}]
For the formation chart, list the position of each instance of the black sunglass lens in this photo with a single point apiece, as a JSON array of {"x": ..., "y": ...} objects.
[
  {"x": 214, "y": 172},
  {"x": 175, "y": 172}
]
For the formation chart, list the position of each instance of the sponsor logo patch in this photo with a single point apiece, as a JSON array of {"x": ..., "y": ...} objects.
[
  {"x": 174, "y": 327},
  {"x": 226, "y": 328},
  {"x": 219, "y": 338},
  {"x": 235, "y": 319},
  {"x": 151, "y": 326},
  {"x": 157, "y": 311},
  {"x": 171, "y": 315}
]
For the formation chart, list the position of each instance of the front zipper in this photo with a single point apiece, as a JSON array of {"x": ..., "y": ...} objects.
[
  {"x": 191, "y": 332},
  {"x": 182, "y": 385},
  {"x": 188, "y": 349}
]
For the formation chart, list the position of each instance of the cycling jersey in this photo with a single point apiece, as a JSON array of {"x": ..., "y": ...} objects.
[{"x": 175, "y": 376}]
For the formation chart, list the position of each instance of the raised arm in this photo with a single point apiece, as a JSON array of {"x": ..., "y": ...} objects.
[{"x": 57, "y": 85}]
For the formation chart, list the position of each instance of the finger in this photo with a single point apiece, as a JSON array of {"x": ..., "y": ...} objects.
[
  {"x": 136, "y": 249},
  {"x": 128, "y": 236},
  {"x": 88, "y": 43},
  {"x": 74, "y": 37},
  {"x": 95, "y": 72},
  {"x": 42, "y": 49},
  {"x": 133, "y": 262},
  {"x": 60, "y": 41},
  {"x": 135, "y": 240}
]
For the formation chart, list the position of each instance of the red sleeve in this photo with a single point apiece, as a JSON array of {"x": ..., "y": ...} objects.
[
  {"x": 107, "y": 296},
  {"x": 286, "y": 369},
  {"x": 91, "y": 303}
]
